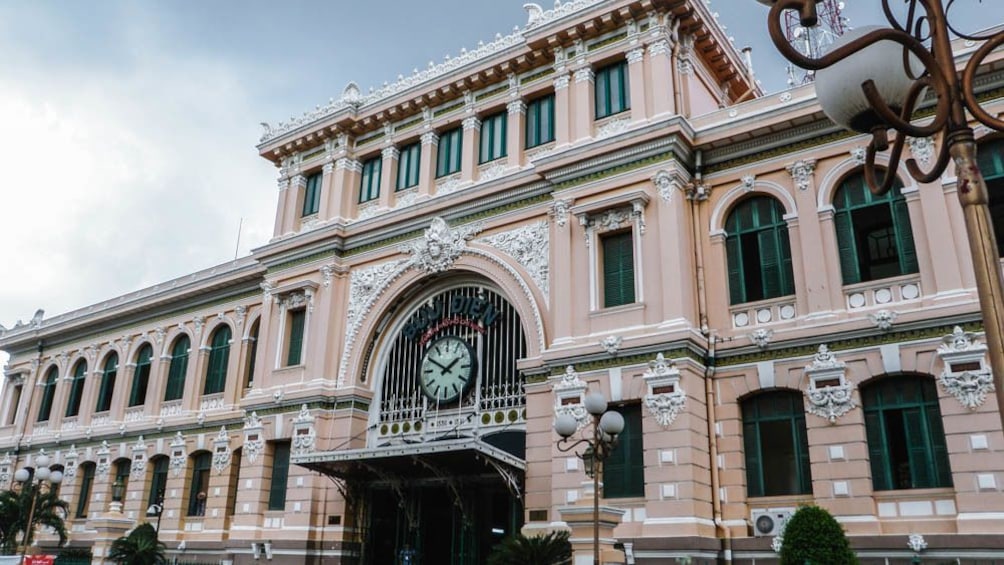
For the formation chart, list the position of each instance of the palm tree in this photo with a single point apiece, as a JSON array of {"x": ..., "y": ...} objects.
[
  {"x": 15, "y": 506},
  {"x": 140, "y": 547},
  {"x": 552, "y": 549}
]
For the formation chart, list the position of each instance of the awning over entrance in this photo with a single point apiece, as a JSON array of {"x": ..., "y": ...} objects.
[{"x": 446, "y": 459}]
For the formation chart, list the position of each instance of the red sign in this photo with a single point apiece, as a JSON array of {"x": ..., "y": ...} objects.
[{"x": 39, "y": 559}]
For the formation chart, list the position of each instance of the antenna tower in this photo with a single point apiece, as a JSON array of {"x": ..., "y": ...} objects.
[{"x": 814, "y": 41}]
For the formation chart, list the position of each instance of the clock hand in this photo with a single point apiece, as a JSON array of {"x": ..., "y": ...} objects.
[
  {"x": 449, "y": 367},
  {"x": 438, "y": 364}
]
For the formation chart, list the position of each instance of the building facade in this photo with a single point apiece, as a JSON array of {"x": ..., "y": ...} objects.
[{"x": 602, "y": 200}]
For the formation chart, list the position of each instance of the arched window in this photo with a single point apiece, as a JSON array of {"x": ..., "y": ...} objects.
[
  {"x": 108, "y": 374},
  {"x": 179, "y": 366},
  {"x": 48, "y": 393},
  {"x": 758, "y": 250},
  {"x": 141, "y": 376},
  {"x": 76, "y": 389},
  {"x": 219, "y": 355},
  {"x": 874, "y": 236},
  {"x": 991, "y": 160},
  {"x": 906, "y": 439},
  {"x": 158, "y": 479},
  {"x": 84, "y": 494},
  {"x": 198, "y": 491},
  {"x": 252, "y": 353},
  {"x": 776, "y": 445}
]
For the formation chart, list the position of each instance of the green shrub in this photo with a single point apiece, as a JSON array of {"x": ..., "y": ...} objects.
[
  {"x": 813, "y": 536},
  {"x": 551, "y": 549}
]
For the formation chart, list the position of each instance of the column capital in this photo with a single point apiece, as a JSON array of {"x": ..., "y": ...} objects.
[
  {"x": 430, "y": 138},
  {"x": 584, "y": 74},
  {"x": 516, "y": 107},
  {"x": 328, "y": 168},
  {"x": 636, "y": 55},
  {"x": 299, "y": 181},
  {"x": 659, "y": 47},
  {"x": 472, "y": 122},
  {"x": 283, "y": 184},
  {"x": 390, "y": 152},
  {"x": 561, "y": 81}
]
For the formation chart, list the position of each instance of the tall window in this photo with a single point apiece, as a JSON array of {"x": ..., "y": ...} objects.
[
  {"x": 141, "y": 376},
  {"x": 776, "y": 444},
  {"x": 252, "y": 352},
  {"x": 12, "y": 407},
  {"x": 612, "y": 92},
  {"x": 312, "y": 195},
  {"x": 198, "y": 491},
  {"x": 991, "y": 160},
  {"x": 624, "y": 470},
  {"x": 107, "y": 383},
  {"x": 618, "y": 269},
  {"x": 48, "y": 393},
  {"x": 408, "y": 166},
  {"x": 158, "y": 479},
  {"x": 451, "y": 144},
  {"x": 219, "y": 356},
  {"x": 294, "y": 343},
  {"x": 280, "y": 476},
  {"x": 86, "y": 482},
  {"x": 906, "y": 439},
  {"x": 493, "y": 137},
  {"x": 76, "y": 389},
  {"x": 369, "y": 184},
  {"x": 179, "y": 366},
  {"x": 540, "y": 121},
  {"x": 874, "y": 236},
  {"x": 122, "y": 468},
  {"x": 759, "y": 254},
  {"x": 233, "y": 485}
]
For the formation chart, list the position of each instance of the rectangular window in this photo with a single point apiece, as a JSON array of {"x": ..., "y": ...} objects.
[
  {"x": 624, "y": 470},
  {"x": 15, "y": 399},
  {"x": 158, "y": 483},
  {"x": 106, "y": 390},
  {"x": 618, "y": 269},
  {"x": 312, "y": 195},
  {"x": 493, "y": 137},
  {"x": 280, "y": 476},
  {"x": 295, "y": 342},
  {"x": 122, "y": 469},
  {"x": 451, "y": 144},
  {"x": 198, "y": 492},
  {"x": 408, "y": 166},
  {"x": 84, "y": 496},
  {"x": 540, "y": 121},
  {"x": 369, "y": 185},
  {"x": 613, "y": 95}
]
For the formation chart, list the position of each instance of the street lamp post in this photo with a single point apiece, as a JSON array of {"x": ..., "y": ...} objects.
[
  {"x": 872, "y": 80},
  {"x": 598, "y": 442},
  {"x": 157, "y": 509},
  {"x": 33, "y": 482}
]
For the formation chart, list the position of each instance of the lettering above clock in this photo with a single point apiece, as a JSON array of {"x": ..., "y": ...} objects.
[{"x": 471, "y": 311}]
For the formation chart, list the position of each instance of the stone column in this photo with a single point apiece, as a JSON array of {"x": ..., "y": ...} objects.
[
  {"x": 427, "y": 166},
  {"x": 660, "y": 64},
  {"x": 815, "y": 274},
  {"x": 583, "y": 104},
  {"x": 684, "y": 70},
  {"x": 280, "y": 213},
  {"x": 515, "y": 132},
  {"x": 388, "y": 175},
  {"x": 580, "y": 520},
  {"x": 561, "y": 259},
  {"x": 327, "y": 186},
  {"x": 108, "y": 528},
  {"x": 470, "y": 151},
  {"x": 294, "y": 203},
  {"x": 562, "y": 110},
  {"x": 637, "y": 85}
]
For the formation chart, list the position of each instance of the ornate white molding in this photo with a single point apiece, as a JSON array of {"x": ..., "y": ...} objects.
[
  {"x": 611, "y": 344},
  {"x": 747, "y": 182},
  {"x": 529, "y": 246},
  {"x": 665, "y": 399},
  {"x": 559, "y": 211},
  {"x": 562, "y": 81},
  {"x": 883, "y": 319},
  {"x": 221, "y": 451},
  {"x": 660, "y": 47},
  {"x": 304, "y": 436},
  {"x": 179, "y": 455},
  {"x": 440, "y": 246},
  {"x": 761, "y": 337},
  {"x": 829, "y": 392},
  {"x": 583, "y": 75},
  {"x": 922, "y": 148},
  {"x": 636, "y": 55},
  {"x": 493, "y": 171},
  {"x": 5, "y": 469},
  {"x": 967, "y": 376},
  {"x": 569, "y": 392},
  {"x": 138, "y": 466},
  {"x": 666, "y": 183},
  {"x": 254, "y": 440},
  {"x": 916, "y": 542},
  {"x": 859, "y": 154},
  {"x": 537, "y": 16},
  {"x": 70, "y": 462},
  {"x": 104, "y": 460},
  {"x": 516, "y": 107},
  {"x": 471, "y": 123},
  {"x": 430, "y": 138},
  {"x": 613, "y": 127},
  {"x": 801, "y": 172}
]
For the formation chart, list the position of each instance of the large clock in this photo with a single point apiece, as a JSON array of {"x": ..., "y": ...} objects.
[{"x": 448, "y": 369}]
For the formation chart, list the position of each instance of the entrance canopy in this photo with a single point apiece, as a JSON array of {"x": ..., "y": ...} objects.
[{"x": 443, "y": 460}]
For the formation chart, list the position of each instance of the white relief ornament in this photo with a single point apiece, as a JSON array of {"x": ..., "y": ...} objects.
[
  {"x": 240, "y": 313},
  {"x": 883, "y": 319},
  {"x": 830, "y": 394},
  {"x": 304, "y": 436},
  {"x": 178, "y": 455},
  {"x": 636, "y": 55},
  {"x": 529, "y": 246},
  {"x": 440, "y": 246},
  {"x": 221, "y": 451},
  {"x": 660, "y": 47},
  {"x": 70, "y": 462},
  {"x": 138, "y": 465},
  {"x": 611, "y": 344},
  {"x": 539, "y": 17},
  {"x": 747, "y": 182},
  {"x": 254, "y": 441},
  {"x": 569, "y": 392},
  {"x": 966, "y": 374},
  {"x": 559, "y": 211},
  {"x": 198, "y": 322},
  {"x": 761, "y": 337},
  {"x": 104, "y": 460},
  {"x": 562, "y": 81},
  {"x": 665, "y": 184},
  {"x": 859, "y": 155},
  {"x": 916, "y": 542},
  {"x": 493, "y": 171},
  {"x": 665, "y": 399},
  {"x": 776, "y": 544},
  {"x": 801, "y": 172},
  {"x": 922, "y": 148},
  {"x": 327, "y": 273},
  {"x": 364, "y": 287},
  {"x": 5, "y": 466},
  {"x": 612, "y": 128}
]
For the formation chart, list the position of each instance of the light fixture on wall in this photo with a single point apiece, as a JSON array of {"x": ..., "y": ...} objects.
[
  {"x": 268, "y": 549},
  {"x": 255, "y": 550}
]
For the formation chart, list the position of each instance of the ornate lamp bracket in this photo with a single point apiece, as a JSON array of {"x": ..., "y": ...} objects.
[
  {"x": 967, "y": 374},
  {"x": 829, "y": 392},
  {"x": 666, "y": 399}
]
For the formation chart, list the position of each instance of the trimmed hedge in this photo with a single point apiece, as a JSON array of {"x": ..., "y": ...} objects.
[{"x": 813, "y": 536}]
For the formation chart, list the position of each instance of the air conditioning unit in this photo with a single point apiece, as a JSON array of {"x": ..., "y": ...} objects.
[{"x": 770, "y": 523}]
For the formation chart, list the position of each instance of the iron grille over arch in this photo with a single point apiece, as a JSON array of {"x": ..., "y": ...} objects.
[{"x": 476, "y": 313}]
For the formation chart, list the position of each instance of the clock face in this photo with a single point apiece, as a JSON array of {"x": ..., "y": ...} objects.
[{"x": 448, "y": 368}]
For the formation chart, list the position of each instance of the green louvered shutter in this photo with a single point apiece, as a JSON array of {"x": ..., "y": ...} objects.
[
  {"x": 141, "y": 377},
  {"x": 770, "y": 264},
  {"x": 48, "y": 392},
  {"x": 737, "y": 288},
  {"x": 904, "y": 236},
  {"x": 618, "y": 270},
  {"x": 624, "y": 471},
  {"x": 877, "y": 450},
  {"x": 280, "y": 476},
  {"x": 751, "y": 444},
  {"x": 76, "y": 390},
  {"x": 787, "y": 284},
  {"x": 847, "y": 248},
  {"x": 804, "y": 468},
  {"x": 939, "y": 447},
  {"x": 219, "y": 356},
  {"x": 918, "y": 448},
  {"x": 296, "y": 321},
  {"x": 178, "y": 368}
]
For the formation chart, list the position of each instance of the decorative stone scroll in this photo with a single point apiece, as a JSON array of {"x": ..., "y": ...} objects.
[
  {"x": 569, "y": 394},
  {"x": 5, "y": 467},
  {"x": 441, "y": 245},
  {"x": 528, "y": 245},
  {"x": 801, "y": 172},
  {"x": 761, "y": 337},
  {"x": 967, "y": 376},
  {"x": 254, "y": 437},
  {"x": 138, "y": 465},
  {"x": 559, "y": 211},
  {"x": 178, "y": 454},
  {"x": 665, "y": 399},
  {"x": 304, "y": 438},
  {"x": 829, "y": 391},
  {"x": 611, "y": 344},
  {"x": 104, "y": 459},
  {"x": 221, "y": 451},
  {"x": 70, "y": 460}
]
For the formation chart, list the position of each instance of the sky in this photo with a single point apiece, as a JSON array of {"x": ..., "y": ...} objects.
[{"x": 129, "y": 127}]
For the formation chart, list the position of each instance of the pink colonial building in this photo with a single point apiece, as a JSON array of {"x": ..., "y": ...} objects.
[{"x": 602, "y": 200}]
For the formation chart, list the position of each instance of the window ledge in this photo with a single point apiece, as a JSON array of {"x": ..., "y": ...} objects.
[
  {"x": 613, "y": 310},
  {"x": 914, "y": 493},
  {"x": 779, "y": 500}
]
